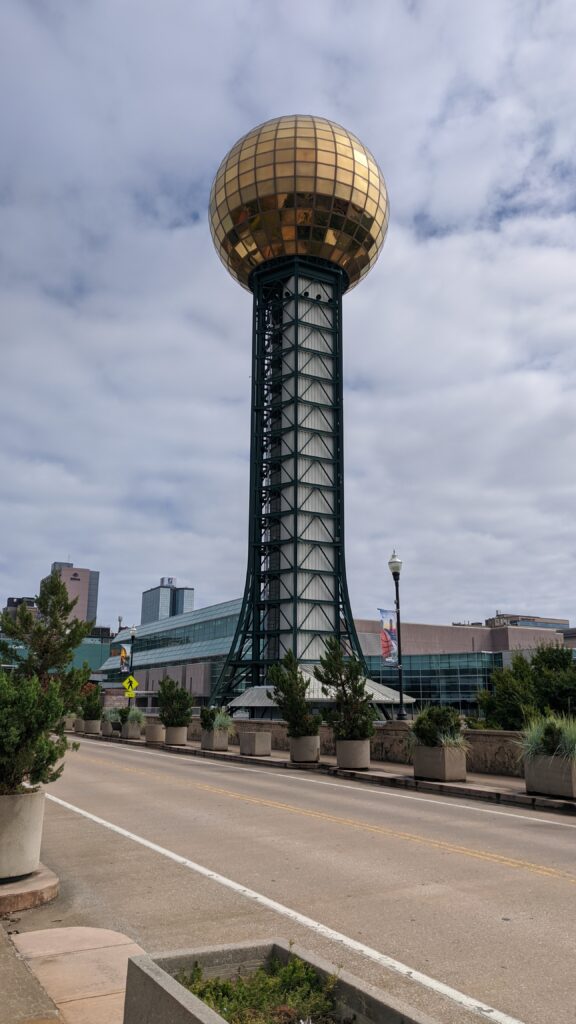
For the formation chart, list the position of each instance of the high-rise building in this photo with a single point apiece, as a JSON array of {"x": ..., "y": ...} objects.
[
  {"x": 13, "y": 603},
  {"x": 298, "y": 215},
  {"x": 81, "y": 584},
  {"x": 165, "y": 601}
]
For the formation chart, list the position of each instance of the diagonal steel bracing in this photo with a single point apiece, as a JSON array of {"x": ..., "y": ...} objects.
[{"x": 296, "y": 593}]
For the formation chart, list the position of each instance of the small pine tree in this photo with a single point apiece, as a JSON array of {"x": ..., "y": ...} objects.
[
  {"x": 43, "y": 647},
  {"x": 289, "y": 694},
  {"x": 174, "y": 703},
  {"x": 343, "y": 681}
]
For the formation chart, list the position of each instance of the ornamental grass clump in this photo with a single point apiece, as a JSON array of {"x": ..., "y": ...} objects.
[
  {"x": 550, "y": 736},
  {"x": 216, "y": 720},
  {"x": 438, "y": 727},
  {"x": 290, "y": 993}
]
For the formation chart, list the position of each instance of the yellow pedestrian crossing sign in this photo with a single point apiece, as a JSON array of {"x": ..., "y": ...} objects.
[{"x": 130, "y": 685}]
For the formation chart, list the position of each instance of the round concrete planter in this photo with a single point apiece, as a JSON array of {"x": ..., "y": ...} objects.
[
  {"x": 155, "y": 733},
  {"x": 353, "y": 754},
  {"x": 21, "y": 818},
  {"x": 131, "y": 731},
  {"x": 304, "y": 749},
  {"x": 214, "y": 739},
  {"x": 92, "y": 726},
  {"x": 176, "y": 735},
  {"x": 78, "y": 725},
  {"x": 107, "y": 729}
]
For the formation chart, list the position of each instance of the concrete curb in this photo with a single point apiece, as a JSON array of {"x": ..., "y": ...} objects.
[
  {"x": 464, "y": 790},
  {"x": 32, "y": 891}
]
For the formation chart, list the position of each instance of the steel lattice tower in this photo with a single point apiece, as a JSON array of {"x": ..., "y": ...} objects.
[{"x": 298, "y": 240}]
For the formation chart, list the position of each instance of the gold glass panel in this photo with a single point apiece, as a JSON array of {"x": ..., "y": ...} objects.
[{"x": 298, "y": 185}]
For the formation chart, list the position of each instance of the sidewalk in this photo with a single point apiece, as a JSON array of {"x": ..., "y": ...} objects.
[
  {"x": 499, "y": 789},
  {"x": 72, "y": 975}
]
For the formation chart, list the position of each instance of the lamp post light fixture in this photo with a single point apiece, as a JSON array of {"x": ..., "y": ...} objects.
[{"x": 395, "y": 566}]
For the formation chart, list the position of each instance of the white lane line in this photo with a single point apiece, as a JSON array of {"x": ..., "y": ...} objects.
[
  {"x": 474, "y": 1005},
  {"x": 381, "y": 791}
]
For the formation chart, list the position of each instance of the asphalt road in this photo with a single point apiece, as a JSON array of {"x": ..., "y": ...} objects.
[{"x": 478, "y": 899}]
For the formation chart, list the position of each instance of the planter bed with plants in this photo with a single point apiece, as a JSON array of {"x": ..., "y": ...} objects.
[
  {"x": 174, "y": 711},
  {"x": 549, "y": 748},
  {"x": 216, "y": 728},
  {"x": 353, "y": 714},
  {"x": 289, "y": 694},
  {"x": 439, "y": 746},
  {"x": 253, "y": 983}
]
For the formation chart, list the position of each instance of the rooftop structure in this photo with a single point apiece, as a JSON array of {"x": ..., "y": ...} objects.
[{"x": 166, "y": 600}]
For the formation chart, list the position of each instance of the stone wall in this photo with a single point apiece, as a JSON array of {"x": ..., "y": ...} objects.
[{"x": 494, "y": 752}]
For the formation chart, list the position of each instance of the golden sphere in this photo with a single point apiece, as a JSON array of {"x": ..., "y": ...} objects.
[{"x": 303, "y": 186}]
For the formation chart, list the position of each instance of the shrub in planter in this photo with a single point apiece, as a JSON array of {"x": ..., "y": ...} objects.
[
  {"x": 203, "y": 984},
  {"x": 91, "y": 708},
  {"x": 132, "y": 727},
  {"x": 353, "y": 714},
  {"x": 110, "y": 721},
  {"x": 174, "y": 711},
  {"x": 32, "y": 745},
  {"x": 548, "y": 744},
  {"x": 216, "y": 728},
  {"x": 289, "y": 694},
  {"x": 439, "y": 746}
]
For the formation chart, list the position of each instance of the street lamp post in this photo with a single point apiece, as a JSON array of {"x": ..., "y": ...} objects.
[
  {"x": 132, "y": 639},
  {"x": 395, "y": 566}
]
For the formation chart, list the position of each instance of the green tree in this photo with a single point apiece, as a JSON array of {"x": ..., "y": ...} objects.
[
  {"x": 343, "y": 681},
  {"x": 174, "y": 703},
  {"x": 554, "y": 679},
  {"x": 31, "y": 736},
  {"x": 289, "y": 693},
  {"x": 43, "y": 647},
  {"x": 511, "y": 700}
]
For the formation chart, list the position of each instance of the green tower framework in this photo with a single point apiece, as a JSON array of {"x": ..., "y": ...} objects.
[{"x": 296, "y": 593}]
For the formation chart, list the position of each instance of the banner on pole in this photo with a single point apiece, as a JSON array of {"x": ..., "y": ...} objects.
[{"x": 388, "y": 636}]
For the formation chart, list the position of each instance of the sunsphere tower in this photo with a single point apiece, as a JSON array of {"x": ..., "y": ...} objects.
[{"x": 298, "y": 215}]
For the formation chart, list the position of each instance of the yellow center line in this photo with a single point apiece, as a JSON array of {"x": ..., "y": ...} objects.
[{"x": 364, "y": 826}]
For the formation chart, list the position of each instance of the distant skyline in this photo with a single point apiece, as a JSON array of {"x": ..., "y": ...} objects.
[{"x": 124, "y": 384}]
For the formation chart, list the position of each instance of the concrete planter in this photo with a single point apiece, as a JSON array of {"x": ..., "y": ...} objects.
[
  {"x": 176, "y": 735},
  {"x": 92, "y": 726},
  {"x": 256, "y": 744},
  {"x": 21, "y": 819},
  {"x": 550, "y": 776},
  {"x": 444, "y": 764},
  {"x": 78, "y": 725},
  {"x": 155, "y": 734},
  {"x": 214, "y": 739},
  {"x": 131, "y": 731},
  {"x": 69, "y": 723},
  {"x": 304, "y": 749},
  {"x": 353, "y": 754},
  {"x": 106, "y": 728},
  {"x": 153, "y": 994}
]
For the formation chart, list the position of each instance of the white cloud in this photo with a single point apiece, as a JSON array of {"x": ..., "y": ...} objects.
[{"x": 124, "y": 391}]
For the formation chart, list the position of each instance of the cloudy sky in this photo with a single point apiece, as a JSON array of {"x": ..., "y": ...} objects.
[{"x": 125, "y": 345}]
